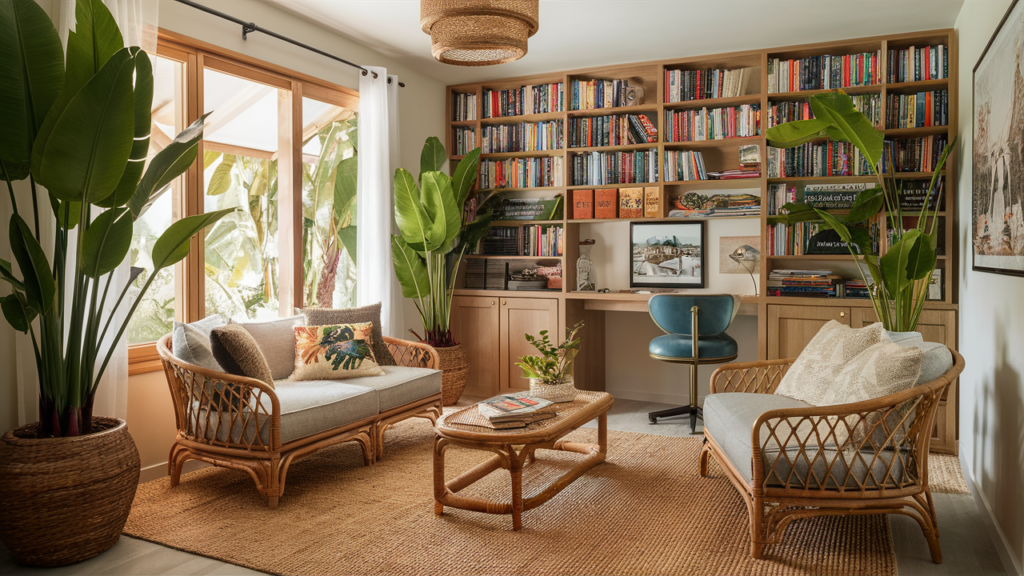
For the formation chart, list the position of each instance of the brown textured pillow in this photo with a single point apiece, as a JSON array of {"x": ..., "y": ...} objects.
[
  {"x": 371, "y": 314},
  {"x": 237, "y": 353}
]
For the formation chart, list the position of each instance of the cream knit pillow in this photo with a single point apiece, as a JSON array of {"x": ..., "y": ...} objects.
[{"x": 816, "y": 368}]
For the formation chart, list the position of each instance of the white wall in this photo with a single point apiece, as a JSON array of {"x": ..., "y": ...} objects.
[{"x": 991, "y": 326}]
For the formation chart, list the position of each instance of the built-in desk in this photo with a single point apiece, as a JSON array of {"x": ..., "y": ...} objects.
[{"x": 632, "y": 302}]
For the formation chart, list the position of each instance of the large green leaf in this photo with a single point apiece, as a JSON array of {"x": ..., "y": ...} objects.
[
  {"x": 416, "y": 227},
  {"x": 40, "y": 287},
  {"x": 867, "y": 204},
  {"x": 220, "y": 181},
  {"x": 439, "y": 200},
  {"x": 167, "y": 165},
  {"x": 7, "y": 273},
  {"x": 106, "y": 242},
  {"x": 85, "y": 156},
  {"x": 32, "y": 68},
  {"x": 477, "y": 229},
  {"x": 922, "y": 257},
  {"x": 349, "y": 238},
  {"x": 67, "y": 213},
  {"x": 95, "y": 40},
  {"x": 894, "y": 262},
  {"x": 345, "y": 187},
  {"x": 874, "y": 267},
  {"x": 850, "y": 124},
  {"x": 172, "y": 246},
  {"x": 410, "y": 269},
  {"x": 143, "y": 124},
  {"x": 16, "y": 314},
  {"x": 432, "y": 157},
  {"x": 791, "y": 134},
  {"x": 796, "y": 213},
  {"x": 465, "y": 176}
]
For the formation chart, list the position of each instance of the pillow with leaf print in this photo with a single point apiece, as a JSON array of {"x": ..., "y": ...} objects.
[{"x": 335, "y": 352}]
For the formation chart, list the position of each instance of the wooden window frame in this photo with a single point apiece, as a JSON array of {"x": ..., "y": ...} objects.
[{"x": 189, "y": 274}]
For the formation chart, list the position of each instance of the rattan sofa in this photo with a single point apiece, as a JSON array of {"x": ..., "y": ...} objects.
[
  {"x": 236, "y": 422},
  {"x": 787, "y": 462}
]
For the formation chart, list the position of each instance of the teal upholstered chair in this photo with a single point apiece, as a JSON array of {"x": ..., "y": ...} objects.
[{"x": 694, "y": 328}]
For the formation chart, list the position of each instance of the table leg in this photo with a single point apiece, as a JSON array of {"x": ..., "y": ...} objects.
[
  {"x": 439, "y": 486},
  {"x": 516, "y": 470},
  {"x": 602, "y": 432}
]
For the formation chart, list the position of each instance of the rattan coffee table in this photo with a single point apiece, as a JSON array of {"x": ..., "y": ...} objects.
[{"x": 514, "y": 450}]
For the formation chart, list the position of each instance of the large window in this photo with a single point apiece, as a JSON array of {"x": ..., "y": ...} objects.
[{"x": 279, "y": 147}]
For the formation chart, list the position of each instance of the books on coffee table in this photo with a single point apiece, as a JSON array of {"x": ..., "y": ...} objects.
[{"x": 520, "y": 409}]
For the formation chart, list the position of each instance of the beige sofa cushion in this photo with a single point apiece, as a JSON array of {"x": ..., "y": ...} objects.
[
  {"x": 276, "y": 339},
  {"x": 816, "y": 368}
]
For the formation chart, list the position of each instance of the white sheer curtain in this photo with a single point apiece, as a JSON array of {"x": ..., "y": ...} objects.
[
  {"x": 137, "y": 19},
  {"x": 396, "y": 325},
  {"x": 375, "y": 278}
]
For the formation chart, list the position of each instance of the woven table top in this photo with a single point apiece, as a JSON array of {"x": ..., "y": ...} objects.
[{"x": 569, "y": 415}]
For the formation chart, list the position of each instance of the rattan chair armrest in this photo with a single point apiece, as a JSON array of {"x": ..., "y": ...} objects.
[
  {"x": 761, "y": 377},
  {"x": 414, "y": 354}
]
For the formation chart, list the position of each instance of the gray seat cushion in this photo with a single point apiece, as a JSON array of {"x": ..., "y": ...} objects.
[
  {"x": 401, "y": 385},
  {"x": 730, "y": 417}
]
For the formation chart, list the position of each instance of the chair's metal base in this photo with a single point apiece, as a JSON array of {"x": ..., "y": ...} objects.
[{"x": 694, "y": 412}]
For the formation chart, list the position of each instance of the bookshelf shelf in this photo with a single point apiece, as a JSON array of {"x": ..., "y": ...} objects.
[
  {"x": 803, "y": 94},
  {"x": 524, "y": 222},
  {"x": 614, "y": 110},
  {"x": 527, "y": 154},
  {"x": 523, "y": 118},
  {"x": 619, "y": 185},
  {"x": 714, "y": 102},
  {"x": 469, "y": 123},
  {"x": 915, "y": 132},
  {"x": 919, "y": 86},
  {"x": 719, "y": 142},
  {"x": 717, "y": 184},
  {"x": 540, "y": 189},
  {"x": 620, "y": 148}
]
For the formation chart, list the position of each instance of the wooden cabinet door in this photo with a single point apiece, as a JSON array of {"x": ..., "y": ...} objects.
[
  {"x": 521, "y": 316},
  {"x": 934, "y": 326},
  {"x": 475, "y": 325},
  {"x": 790, "y": 328}
]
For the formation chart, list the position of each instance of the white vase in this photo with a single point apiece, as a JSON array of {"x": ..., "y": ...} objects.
[{"x": 563, "y": 391}]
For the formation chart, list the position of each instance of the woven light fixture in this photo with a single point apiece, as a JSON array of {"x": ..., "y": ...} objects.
[{"x": 478, "y": 32}]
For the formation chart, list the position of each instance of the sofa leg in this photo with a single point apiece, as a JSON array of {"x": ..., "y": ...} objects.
[
  {"x": 756, "y": 528},
  {"x": 932, "y": 535},
  {"x": 705, "y": 457},
  {"x": 272, "y": 502}
]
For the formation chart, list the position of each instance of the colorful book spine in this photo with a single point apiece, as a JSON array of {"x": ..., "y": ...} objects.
[
  {"x": 594, "y": 94},
  {"x": 683, "y": 165},
  {"x": 606, "y": 202},
  {"x": 463, "y": 107},
  {"x": 781, "y": 112},
  {"x": 825, "y": 72},
  {"x": 612, "y": 130},
  {"x": 686, "y": 85},
  {"x": 464, "y": 140},
  {"x": 915, "y": 64},
  {"x": 529, "y": 99},
  {"x": 631, "y": 202},
  {"x": 522, "y": 137},
  {"x": 913, "y": 154},
  {"x": 713, "y": 124},
  {"x": 918, "y": 110},
  {"x": 521, "y": 173},
  {"x": 597, "y": 168}
]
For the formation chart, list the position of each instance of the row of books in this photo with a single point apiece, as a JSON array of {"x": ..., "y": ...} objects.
[
  {"x": 917, "y": 110},
  {"x": 613, "y": 130},
  {"x": 814, "y": 159},
  {"x": 790, "y": 239},
  {"x": 486, "y": 274},
  {"x": 463, "y": 106},
  {"x": 605, "y": 203},
  {"x": 684, "y": 165},
  {"x": 529, "y": 99},
  {"x": 822, "y": 72},
  {"x": 522, "y": 137},
  {"x": 684, "y": 85},
  {"x": 781, "y": 112},
  {"x": 464, "y": 140},
  {"x": 916, "y": 64},
  {"x": 804, "y": 283},
  {"x": 913, "y": 195},
  {"x": 714, "y": 124},
  {"x": 527, "y": 208},
  {"x": 833, "y": 196},
  {"x": 596, "y": 168},
  {"x": 593, "y": 94},
  {"x": 913, "y": 154},
  {"x": 546, "y": 240},
  {"x": 521, "y": 173}
]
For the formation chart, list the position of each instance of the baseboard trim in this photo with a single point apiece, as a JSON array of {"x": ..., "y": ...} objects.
[
  {"x": 1002, "y": 543},
  {"x": 157, "y": 471}
]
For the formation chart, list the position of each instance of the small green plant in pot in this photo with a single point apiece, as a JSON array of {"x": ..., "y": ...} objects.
[{"x": 550, "y": 373}]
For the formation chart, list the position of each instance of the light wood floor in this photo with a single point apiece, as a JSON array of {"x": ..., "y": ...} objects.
[{"x": 966, "y": 546}]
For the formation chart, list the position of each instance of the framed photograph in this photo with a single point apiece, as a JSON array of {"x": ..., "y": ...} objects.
[
  {"x": 997, "y": 195},
  {"x": 667, "y": 254}
]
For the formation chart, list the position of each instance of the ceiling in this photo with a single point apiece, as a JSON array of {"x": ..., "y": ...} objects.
[{"x": 583, "y": 33}]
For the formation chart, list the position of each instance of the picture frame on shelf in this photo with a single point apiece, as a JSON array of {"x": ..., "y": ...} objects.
[
  {"x": 668, "y": 254},
  {"x": 997, "y": 225}
]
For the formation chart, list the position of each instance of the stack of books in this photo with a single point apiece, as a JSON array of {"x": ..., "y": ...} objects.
[
  {"x": 501, "y": 241},
  {"x": 833, "y": 196},
  {"x": 465, "y": 140},
  {"x": 530, "y": 99},
  {"x": 521, "y": 173},
  {"x": 486, "y": 274},
  {"x": 463, "y": 107},
  {"x": 916, "y": 64},
  {"x": 614, "y": 130},
  {"x": 595, "y": 168},
  {"x": 684, "y": 165},
  {"x": 805, "y": 283},
  {"x": 781, "y": 112},
  {"x": 914, "y": 154},
  {"x": 684, "y": 85},
  {"x": 735, "y": 174},
  {"x": 855, "y": 289},
  {"x": 812, "y": 160},
  {"x": 714, "y": 124},
  {"x": 915, "y": 192},
  {"x": 593, "y": 94},
  {"x": 514, "y": 411},
  {"x": 822, "y": 72},
  {"x": 917, "y": 110},
  {"x": 522, "y": 137}
]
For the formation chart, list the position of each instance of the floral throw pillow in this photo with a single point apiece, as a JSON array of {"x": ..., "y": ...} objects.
[{"x": 335, "y": 352}]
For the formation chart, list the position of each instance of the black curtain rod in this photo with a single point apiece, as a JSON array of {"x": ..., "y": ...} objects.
[{"x": 248, "y": 27}]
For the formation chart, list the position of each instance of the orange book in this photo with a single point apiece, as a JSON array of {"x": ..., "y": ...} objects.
[
  {"x": 631, "y": 202},
  {"x": 582, "y": 204},
  {"x": 606, "y": 203},
  {"x": 652, "y": 202}
]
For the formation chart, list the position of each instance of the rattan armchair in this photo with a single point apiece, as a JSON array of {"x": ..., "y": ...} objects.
[
  {"x": 235, "y": 422},
  {"x": 863, "y": 458}
]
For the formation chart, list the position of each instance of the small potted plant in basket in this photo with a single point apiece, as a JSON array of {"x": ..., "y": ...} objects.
[{"x": 550, "y": 373}]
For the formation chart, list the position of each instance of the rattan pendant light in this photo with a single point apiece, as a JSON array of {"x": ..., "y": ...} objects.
[{"x": 478, "y": 32}]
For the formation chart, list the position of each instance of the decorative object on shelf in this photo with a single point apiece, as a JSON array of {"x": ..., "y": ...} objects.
[
  {"x": 750, "y": 156},
  {"x": 479, "y": 32},
  {"x": 606, "y": 201},
  {"x": 667, "y": 254},
  {"x": 582, "y": 204},
  {"x": 585, "y": 281},
  {"x": 899, "y": 278},
  {"x": 435, "y": 232},
  {"x": 83, "y": 135},
  {"x": 550, "y": 373},
  {"x": 997, "y": 229},
  {"x": 631, "y": 202},
  {"x": 717, "y": 204},
  {"x": 652, "y": 202},
  {"x": 744, "y": 256}
]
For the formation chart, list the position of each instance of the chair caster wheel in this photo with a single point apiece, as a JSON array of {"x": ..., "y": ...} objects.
[{"x": 652, "y": 420}]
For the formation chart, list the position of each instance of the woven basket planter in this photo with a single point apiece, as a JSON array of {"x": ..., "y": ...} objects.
[
  {"x": 64, "y": 500},
  {"x": 454, "y": 373}
]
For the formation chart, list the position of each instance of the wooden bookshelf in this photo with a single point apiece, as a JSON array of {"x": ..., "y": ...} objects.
[{"x": 720, "y": 155}]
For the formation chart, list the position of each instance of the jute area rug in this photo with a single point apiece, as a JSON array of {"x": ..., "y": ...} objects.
[{"x": 644, "y": 511}]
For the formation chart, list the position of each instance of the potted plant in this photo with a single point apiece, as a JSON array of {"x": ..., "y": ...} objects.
[
  {"x": 550, "y": 373},
  {"x": 435, "y": 233},
  {"x": 898, "y": 279},
  {"x": 67, "y": 481}
]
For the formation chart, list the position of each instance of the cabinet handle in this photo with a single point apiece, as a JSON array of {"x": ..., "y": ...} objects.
[
  {"x": 842, "y": 314},
  {"x": 504, "y": 302},
  {"x": 492, "y": 302}
]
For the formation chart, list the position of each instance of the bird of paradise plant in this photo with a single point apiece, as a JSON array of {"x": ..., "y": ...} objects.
[{"x": 898, "y": 279}]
